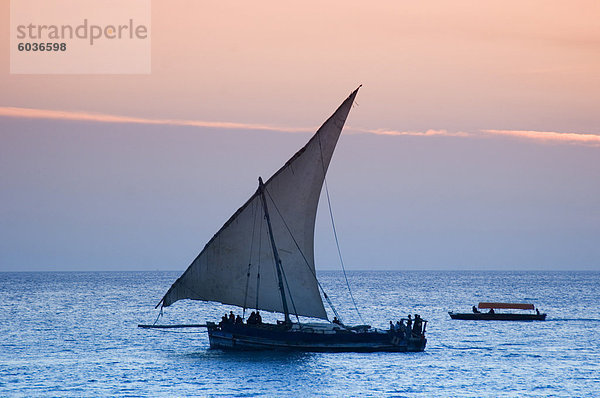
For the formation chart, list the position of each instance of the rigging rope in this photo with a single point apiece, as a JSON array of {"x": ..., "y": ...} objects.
[
  {"x": 159, "y": 315},
  {"x": 304, "y": 257},
  {"x": 260, "y": 234},
  {"x": 249, "y": 259},
  {"x": 289, "y": 291},
  {"x": 337, "y": 243}
]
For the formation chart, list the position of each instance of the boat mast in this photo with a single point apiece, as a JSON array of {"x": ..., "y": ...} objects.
[{"x": 261, "y": 189}]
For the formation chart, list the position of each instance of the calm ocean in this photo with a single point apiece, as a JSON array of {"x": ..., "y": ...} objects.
[{"x": 75, "y": 335}]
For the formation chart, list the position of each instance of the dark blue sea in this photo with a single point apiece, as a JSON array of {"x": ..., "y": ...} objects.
[{"x": 75, "y": 335}]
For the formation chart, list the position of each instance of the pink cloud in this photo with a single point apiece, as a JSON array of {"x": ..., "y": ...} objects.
[
  {"x": 541, "y": 136},
  {"x": 29, "y": 113},
  {"x": 428, "y": 133},
  {"x": 550, "y": 136}
]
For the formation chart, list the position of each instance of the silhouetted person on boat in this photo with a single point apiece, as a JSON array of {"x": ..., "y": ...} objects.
[
  {"x": 417, "y": 326},
  {"x": 475, "y": 310},
  {"x": 239, "y": 320},
  {"x": 537, "y": 311},
  {"x": 231, "y": 317},
  {"x": 223, "y": 320},
  {"x": 337, "y": 321},
  {"x": 409, "y": 322},
  {"x": 391, "y": 326},
  {"x": 491, "y": 311},
  {"x": 400, "y": 328},
  {"x": 252, "y": 318},
  {"x": 258, "y": 318}
]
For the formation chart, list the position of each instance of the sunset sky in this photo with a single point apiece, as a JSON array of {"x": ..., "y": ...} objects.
[{"x": 474, "y": 142}]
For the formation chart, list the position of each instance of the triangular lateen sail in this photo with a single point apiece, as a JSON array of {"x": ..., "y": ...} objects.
[{"x": 228, "y": 268}]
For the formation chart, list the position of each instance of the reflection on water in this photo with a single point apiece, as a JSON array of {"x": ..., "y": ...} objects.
[
  {"x": 75, "y": 334},
  {"x": 272, "y": 357}
]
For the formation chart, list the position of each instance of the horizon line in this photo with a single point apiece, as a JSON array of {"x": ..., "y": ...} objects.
[{"x": 336, "y": 270}]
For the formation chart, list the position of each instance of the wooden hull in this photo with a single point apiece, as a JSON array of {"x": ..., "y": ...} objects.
[
  {"x": 497, "y": 317},
  {"x": 278, "y": 337}
]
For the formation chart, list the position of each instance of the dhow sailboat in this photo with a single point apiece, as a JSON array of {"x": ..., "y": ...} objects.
[{"x": 262, "y": 258}]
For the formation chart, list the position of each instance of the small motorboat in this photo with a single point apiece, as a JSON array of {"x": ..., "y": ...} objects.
[{"x": 492, "y": 315}]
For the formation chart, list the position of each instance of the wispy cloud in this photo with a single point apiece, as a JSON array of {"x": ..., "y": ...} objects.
[
  {"x": 427, "y": 133},
  {"x": 29, "y": 113},
  {"x": 550, "y": 136},
  {"x": 540, "y": 136},
  {"x": 589, "y": 139}
]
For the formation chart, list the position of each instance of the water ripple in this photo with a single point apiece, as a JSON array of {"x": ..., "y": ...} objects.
[{"x": 75, "y": 334}]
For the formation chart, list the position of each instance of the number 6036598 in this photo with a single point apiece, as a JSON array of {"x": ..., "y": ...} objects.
[{"x": 42, "y": 46}]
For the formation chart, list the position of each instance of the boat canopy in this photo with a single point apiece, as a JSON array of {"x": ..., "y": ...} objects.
[{"x": 515, "y": 306}]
